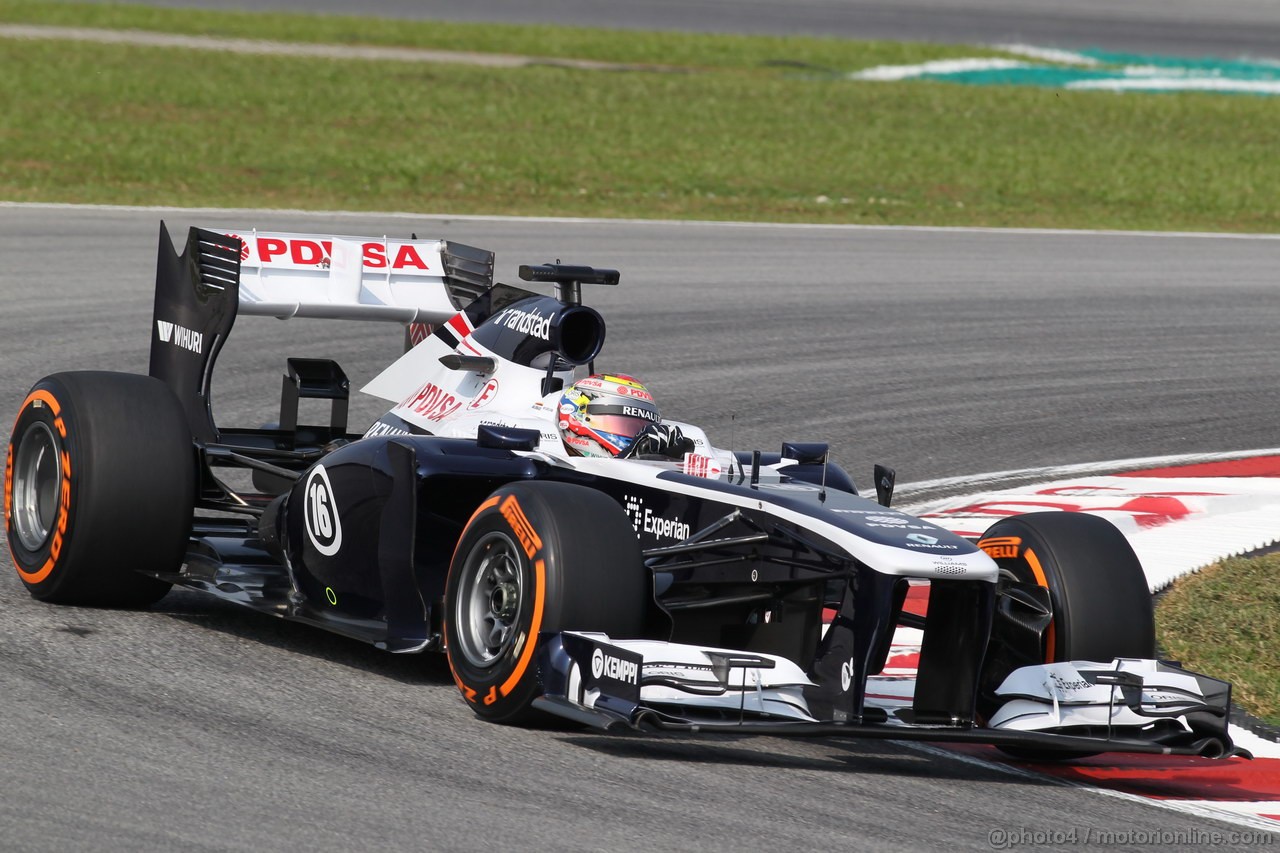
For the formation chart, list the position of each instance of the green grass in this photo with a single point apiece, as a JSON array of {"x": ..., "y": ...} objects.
[
  {"x": 1225, "y": 621},
  {"x": 734, "y": 140}
]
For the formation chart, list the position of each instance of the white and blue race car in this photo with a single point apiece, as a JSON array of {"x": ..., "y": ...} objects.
[{"x": 674, "y": 586}]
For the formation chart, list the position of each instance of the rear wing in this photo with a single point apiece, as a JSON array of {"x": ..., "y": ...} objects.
[
  {"x": 220, "y": 274},
  {"x": 358, "y": 278}
]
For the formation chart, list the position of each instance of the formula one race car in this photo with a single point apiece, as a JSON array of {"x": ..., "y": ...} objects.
[{"x": 571, "y": 551}]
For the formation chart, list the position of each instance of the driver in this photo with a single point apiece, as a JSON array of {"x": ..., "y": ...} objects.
[{"x": 611, "y": 415}]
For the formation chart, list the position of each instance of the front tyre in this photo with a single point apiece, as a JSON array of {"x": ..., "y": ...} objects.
[
  {"x": 1098, "y": 601},
  {"x": 536, "y": 557},
  {"x": 99, "y": 486},
  {"x": 1099, "y": 594}
]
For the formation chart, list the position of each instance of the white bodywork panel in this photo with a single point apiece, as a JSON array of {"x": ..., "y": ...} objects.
[
  {"x": 456, "y": 403},
  {"x": 342, "y": 278}
]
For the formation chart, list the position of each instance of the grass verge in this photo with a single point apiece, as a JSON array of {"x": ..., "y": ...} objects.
[
  {"x": 737, "y": 140},
  {"x": 1225, "y": 621}
]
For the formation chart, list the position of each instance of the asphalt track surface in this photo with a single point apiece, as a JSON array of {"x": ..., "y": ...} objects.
[
  {"x": 1223, "y": 28},
  {"x": 197, "y": 726}
]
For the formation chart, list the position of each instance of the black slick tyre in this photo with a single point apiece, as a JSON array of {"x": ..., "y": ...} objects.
[
  {"x": 536, "y": 557},
  {"x": 1099, "y": 598},
  {"x": 99, "y": 486}
]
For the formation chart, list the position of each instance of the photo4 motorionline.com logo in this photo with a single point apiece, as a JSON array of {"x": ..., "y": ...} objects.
[{"x": 1008, "y": 839}]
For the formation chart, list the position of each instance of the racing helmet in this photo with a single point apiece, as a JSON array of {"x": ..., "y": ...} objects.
[{"x": 601, "y": 415}]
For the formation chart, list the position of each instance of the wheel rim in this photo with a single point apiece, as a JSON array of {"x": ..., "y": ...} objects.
[
  {"x": 37, "y": 485},
  {"x": 490, "y": 602}
]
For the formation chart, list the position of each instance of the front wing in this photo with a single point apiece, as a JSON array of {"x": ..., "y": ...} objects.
[{"x": 1066, "y": 708}]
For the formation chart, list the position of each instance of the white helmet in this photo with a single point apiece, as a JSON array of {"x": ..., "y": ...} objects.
[{"x": 602, "y": 414}]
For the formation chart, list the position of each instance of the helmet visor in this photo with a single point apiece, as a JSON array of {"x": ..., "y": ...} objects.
[
  {"x": 623, "y": 426},
  {"x": 625, "y": 420}
]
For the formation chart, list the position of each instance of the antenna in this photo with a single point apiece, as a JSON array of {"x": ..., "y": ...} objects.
[
  {"x": 733, "y": 436},
  {"x": 822, "y": 490}
]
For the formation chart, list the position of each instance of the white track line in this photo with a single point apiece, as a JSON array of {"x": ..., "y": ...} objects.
[
  {"x": 683, "y": 223},
  {"x": 1047, "y": 54},
  {"x": 893, "y": 73}
]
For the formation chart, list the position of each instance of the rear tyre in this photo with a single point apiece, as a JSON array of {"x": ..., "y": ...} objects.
[
  {"x": 1100, "y": 603},
  {"x": 99, "y": 486},
  {"x": 536, "y": 557}
]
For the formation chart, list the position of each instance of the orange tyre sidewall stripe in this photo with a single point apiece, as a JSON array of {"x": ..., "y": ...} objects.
[
  {"x": 45, "y": 397},
  {"x": 535, "y": 626},
  {"x": 1038, "y": 570},
  {"x": 8, "y": 487},
  {"x": 64, "y": 505}
]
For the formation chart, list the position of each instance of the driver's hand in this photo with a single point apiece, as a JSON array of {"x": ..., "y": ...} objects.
[{"x": 665, "y": 440}]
